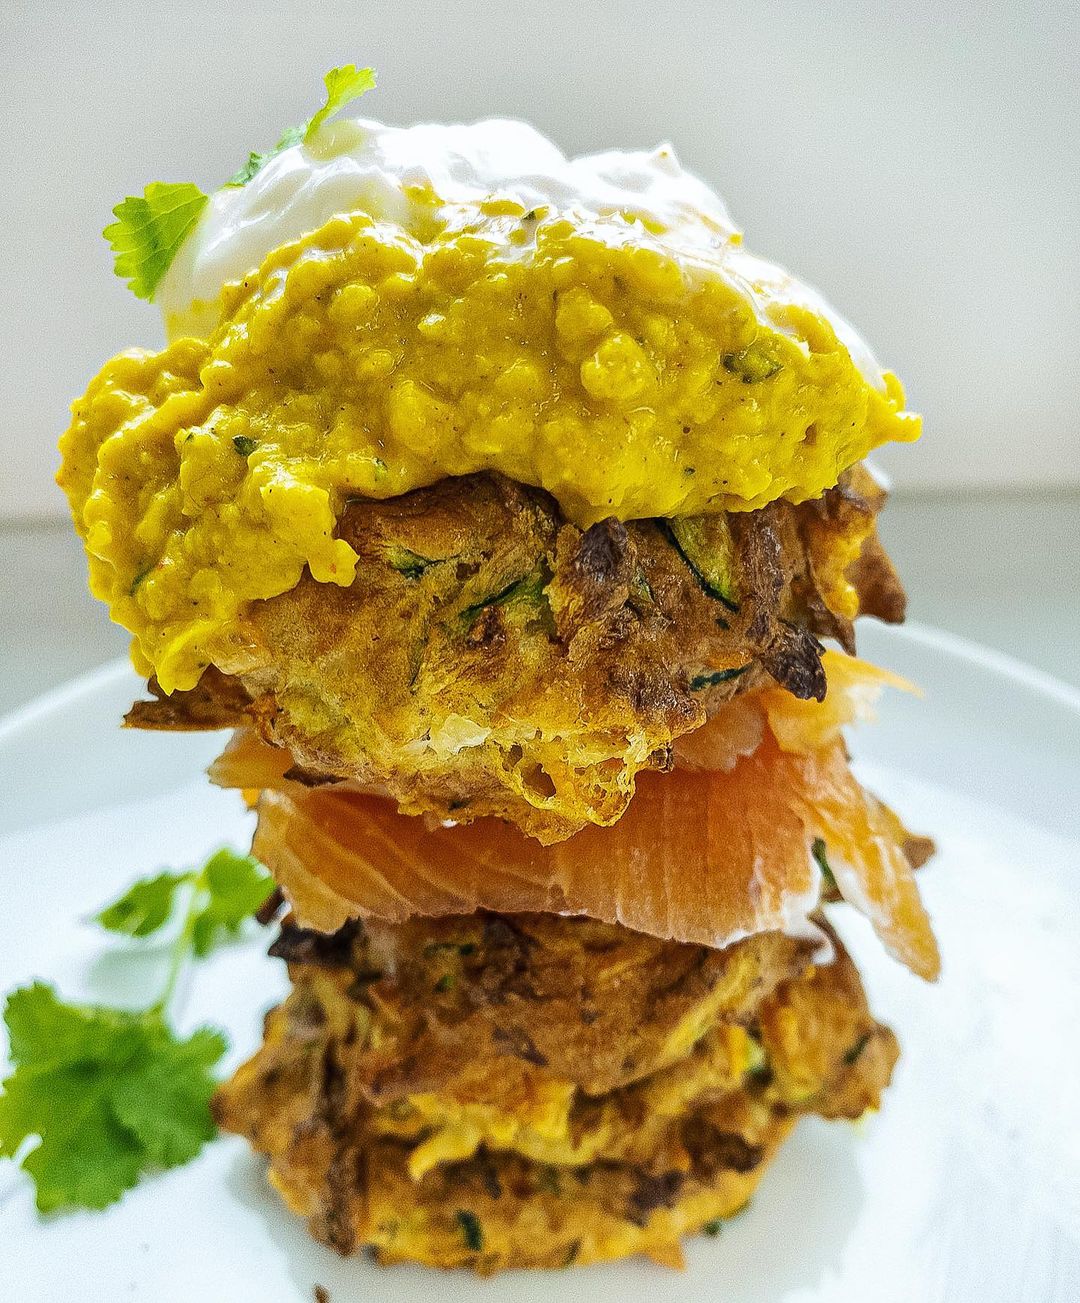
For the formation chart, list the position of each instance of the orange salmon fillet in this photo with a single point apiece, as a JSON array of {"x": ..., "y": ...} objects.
[{"x": 702, "y": 857}]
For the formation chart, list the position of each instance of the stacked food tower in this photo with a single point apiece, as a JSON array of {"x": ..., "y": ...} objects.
[{"x": 503, "y": 505}]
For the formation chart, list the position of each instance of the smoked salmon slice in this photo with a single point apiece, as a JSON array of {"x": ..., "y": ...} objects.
[
  {"x": 736, "y": 729},
  {"x": 705, "y": 857},
  {"x": 854, "y": 687}
]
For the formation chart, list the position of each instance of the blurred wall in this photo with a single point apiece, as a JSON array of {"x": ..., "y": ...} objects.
[{"x": 920, "y": 163}]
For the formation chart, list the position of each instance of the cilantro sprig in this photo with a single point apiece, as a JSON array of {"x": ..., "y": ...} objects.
[
  {"x": 108, "y": 1093},
  {"x": 343, "y": 85},
  {"x": 150, "y": 228},
  {"x": 227, "y": 890},
  {"x": 99, "y": 1096}
]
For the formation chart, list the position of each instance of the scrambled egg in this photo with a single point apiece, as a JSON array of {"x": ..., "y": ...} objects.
[
  {"x": 365, "y": 361},
  {"x": 543, "y": 1126}
]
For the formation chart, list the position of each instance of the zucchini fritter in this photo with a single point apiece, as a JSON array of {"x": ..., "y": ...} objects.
[
  {"x": 492, "y": 659},
  {"x": 404, "y": 1105}
]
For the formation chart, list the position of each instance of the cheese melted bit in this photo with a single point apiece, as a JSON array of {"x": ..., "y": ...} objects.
[{"x": 385, "y": 307}]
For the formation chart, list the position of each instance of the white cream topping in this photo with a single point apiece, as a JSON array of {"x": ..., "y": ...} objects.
[{"x": 360, "y": 165}]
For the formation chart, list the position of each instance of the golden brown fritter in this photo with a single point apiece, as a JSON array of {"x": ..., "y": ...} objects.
[
  {"x": 490, "y": 658},
  {"x": 404, "y": 1105},
  {"x": 499, "y": 1211},
  {"x": 594, "y": 1003}
]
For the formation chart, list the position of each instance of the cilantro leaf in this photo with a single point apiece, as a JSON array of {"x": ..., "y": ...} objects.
[
  {"x": 151, "y": 227},
  {"x": 235, "y": 887},
  {"x": 256, "y": 162},
  {"x": 228, "y": 889},
  {"x": 163, "y": 1099},
  {"x": 145, "y": 906},
  {"x": 36, "y": 1036},
  {"x": 107, "y": 1093},
  {"x": 149, "y": 230},
  {"x": 343, "y": 85}
]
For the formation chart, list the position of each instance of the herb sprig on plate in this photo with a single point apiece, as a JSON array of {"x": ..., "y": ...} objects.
[{"x": 99, "y": 1095}]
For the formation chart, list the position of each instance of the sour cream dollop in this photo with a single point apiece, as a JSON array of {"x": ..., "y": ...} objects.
[{"x": 389, "y": 173}]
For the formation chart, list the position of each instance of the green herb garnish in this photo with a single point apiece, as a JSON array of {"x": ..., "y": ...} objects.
[
  {"x": 343, "y": 85},
  {"x": 714, "y": 1227},
  {"x": 109, "y": 1094},
  {"x": 470, "y": 1229},
  {"x": 148, "y": 231},
  {"x": 244, "y": 444},
  {"x": 818, "y": 852},
  {"x": 150, "y": 228},
  {"x": 221, "y": 896}
]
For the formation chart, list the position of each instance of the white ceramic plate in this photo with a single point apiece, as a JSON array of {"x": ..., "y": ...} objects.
[{"x": 965, "y": 1188}]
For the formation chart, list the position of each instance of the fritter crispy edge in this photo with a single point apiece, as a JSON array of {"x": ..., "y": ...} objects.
[{"x": 491, "y": 659}]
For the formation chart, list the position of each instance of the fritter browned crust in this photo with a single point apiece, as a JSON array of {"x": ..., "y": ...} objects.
[
  {"x": 404, "y": 1106},
  {"x": 596, "y": 1004},
  {"x": 490, "y": 658}
]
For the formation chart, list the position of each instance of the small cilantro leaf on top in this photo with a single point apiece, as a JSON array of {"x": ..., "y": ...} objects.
[
  {"x": 343, "y": 85},
  {"x": 149, "y": 229}
]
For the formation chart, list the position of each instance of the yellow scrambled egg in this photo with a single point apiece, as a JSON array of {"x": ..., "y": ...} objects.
[
  {"x": 543, "y": 1124},
  {"x": 366, "y": 361}
]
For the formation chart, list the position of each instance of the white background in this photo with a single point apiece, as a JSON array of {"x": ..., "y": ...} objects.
[{"x": 919, "y": 162}]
